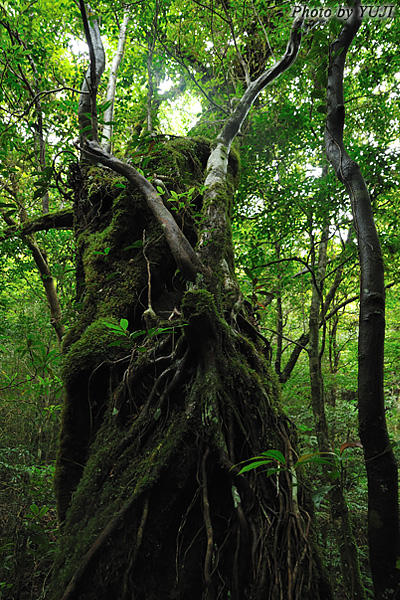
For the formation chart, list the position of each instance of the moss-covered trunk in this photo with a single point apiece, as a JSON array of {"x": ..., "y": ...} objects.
[{"x": 151, "y": 504}]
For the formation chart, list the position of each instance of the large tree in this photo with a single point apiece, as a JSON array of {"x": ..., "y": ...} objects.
[
  {"x": 168, "y": 377},
  {"x": 168, "y": 381}
]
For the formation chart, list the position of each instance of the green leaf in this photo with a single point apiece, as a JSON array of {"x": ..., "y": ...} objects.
[
  {"x": 320, "y": 493},
  {"x": 253, "y": 465},
  {"x": 136, "y": 334},
  {"x": 273, "y": 471},
  {"x": 138, "y": 244},
  {"x": 276, "y": 455},
  {"x": 320, "y": 458},
  {"x": 124, "y": 324},
  {"x": 112, "y": 326}
]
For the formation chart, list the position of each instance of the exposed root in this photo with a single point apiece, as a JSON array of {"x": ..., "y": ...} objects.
[
  {"x": 98, "y": 545},
  {"x": 210, "y": 593},
  {"x": 249, "y": 533}
]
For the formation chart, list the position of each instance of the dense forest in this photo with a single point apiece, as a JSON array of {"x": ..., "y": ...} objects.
[{"x": 199, "y": 331}]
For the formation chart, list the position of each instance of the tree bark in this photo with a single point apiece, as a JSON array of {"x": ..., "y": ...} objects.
[
  {"x": 112, "y": 84},
  {"x": 162, "y": 428},
  {"x": 87, "y": 111},
  {"x": 383, "y": 509},
  {"x": 156, "y": 418},
  {"x": 62, "y": 219},
  {"x": 340, "y": 515}
]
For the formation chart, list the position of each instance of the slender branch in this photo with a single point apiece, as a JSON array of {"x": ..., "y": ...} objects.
[
  {"x": 57, "y": 220},
  {"x": 297, "y": 343},
  {"x": 263, "y": 28},
  {"x": 192, "y": 77},
  {"x": 150, "y": 90},
  {"x": 211, "y": 9},
  {"x": 46, "y": 277},
  {"x": 239, "y": 54},
  {"x": 87, "y": 102},
  {"x": 36, "y": 101},
  {"x": 217, "y": 165},
  {"x": 25, "y": 112},
  {"x": 112, "y": 83},
  {"x": 296, "y": 259}
]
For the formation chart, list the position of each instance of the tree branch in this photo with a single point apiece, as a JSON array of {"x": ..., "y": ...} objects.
[
  {"x": 217, "y": 165},
  {"x": 185, "y": 257},
  {"x": 87, "y": 112},
  {"x": 56, "y": 220},
  {"x": 112, "y": 83}
]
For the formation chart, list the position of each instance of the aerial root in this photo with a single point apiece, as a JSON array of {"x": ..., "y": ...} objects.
[
  {"x": 135, "y": 548},
  {"x": 209, "y": 529},
  {"x": 102, "y": 540}
]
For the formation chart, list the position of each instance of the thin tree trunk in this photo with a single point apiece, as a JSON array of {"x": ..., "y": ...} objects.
[
  {"x": 39, "y": 257},
  {"x": 87, "y": 111},
  {"x": 383, "y": 507},
  {"x": 279, "y": 318},
  {"x": 112, "y": 84},
  {"x": 342, "y": 527},
  {"x": 314, "y": 359},
  {"x": 150, "y": 88}
]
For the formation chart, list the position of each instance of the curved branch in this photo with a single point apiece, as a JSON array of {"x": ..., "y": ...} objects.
[
  {"x": 46, "y": 276},
  {"x": 217, "y": 165},
  {"x": 185, "y": 257}
]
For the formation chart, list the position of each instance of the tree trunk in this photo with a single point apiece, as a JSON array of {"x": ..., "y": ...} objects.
[
  {"x": 112, "y": 84},
  {"x": 150, "y": 501},
  {"x": 383, "y": 508},
  {"x": 166, "y": 393},
  {"x": 340, "y": 515}
]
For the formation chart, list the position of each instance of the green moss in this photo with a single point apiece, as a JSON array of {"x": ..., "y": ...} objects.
[
  {"x": 198, "y": 302},
  {"x": 92, "y": 347},
  {"x": 111, "y": 480},
  {"x": 224, "y": 389}
]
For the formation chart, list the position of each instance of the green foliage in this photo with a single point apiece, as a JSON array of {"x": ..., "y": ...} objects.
[
  {"x": 122, "y": 331},
  {"x": 282, "y": 205}
]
